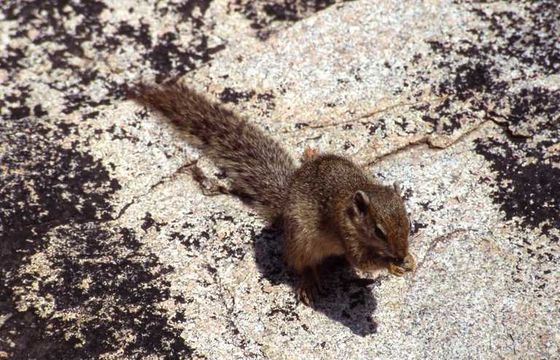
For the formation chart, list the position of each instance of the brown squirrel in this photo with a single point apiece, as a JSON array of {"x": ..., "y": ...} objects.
[{"x": 328, "y": 206}]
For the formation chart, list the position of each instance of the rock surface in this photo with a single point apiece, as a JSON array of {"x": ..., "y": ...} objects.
[{"x": 109, "y": 249}]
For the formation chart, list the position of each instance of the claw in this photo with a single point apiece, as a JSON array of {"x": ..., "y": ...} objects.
[
  {"x": 396, "y": 270},
  {"x": 306, "y": 296},
  {"x": 409, "y": 263},
  {"x": 309, "y": 287}
]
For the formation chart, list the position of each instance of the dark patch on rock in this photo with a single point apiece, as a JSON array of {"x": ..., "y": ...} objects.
[
  {"x": 103, "y": 278},
  {"x": 232, "y": 252},
  {"x": 535, "y": 110},
  {"x": 10, "y": 58},
  {"x": 19, "y": 112},
  {"x": 530, "y": 37},
  {"x": 168, "y": 57},
  {"x": 15, "y": 102},
  {"x": 56, "y": 193},
  {"x": 44, "y": 186},
  {"x": 416, "y": 227},
  {"x": 468, "y": 82},
  {"x": 266, "y": 96},
  {"x": 288, "y": 314},
  {"x": 179, "y": 317},
  {"x": 403, "y": 123},
  {"x": 120, "y": 133},
  {"x": 526, "y": 189},
  {"x": 407, "y": 194},
  {"x": 527, "y": 184},
  {"x": 90, "y": 115},
  {"x": 66, "y": 128},
  {"x": 229, "y": 95},
  {"x": 49, "y": 16},
  {"x": 428, "y": 205},
  {"x": 192, "y": 242},
  {"x": 149, "y": 222},
  {"x": 267, "y": 99},
  {"x": 76, "y": 101},
  {"x": 45, "y": 183},
  {"x": 472, "y": 77},
  {"x": 140, "y": 35},
  {"x": 66, "y": 47},
  {"x": 186, "y": 9},
  {"x": 379, "y": 124},
  {"x": 266, "y": 15},
  {"x": 38, "y": 111}
]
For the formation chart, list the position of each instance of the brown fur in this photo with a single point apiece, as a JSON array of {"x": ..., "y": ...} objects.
[
  {"x": 258, "y": 166},
  {"x": 328, "y": 206}
]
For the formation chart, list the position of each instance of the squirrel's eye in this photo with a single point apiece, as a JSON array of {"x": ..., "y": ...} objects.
[{"x": 380, "y": 232}]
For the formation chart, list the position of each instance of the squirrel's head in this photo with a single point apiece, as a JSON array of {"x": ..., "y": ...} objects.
[{"x": 378, "y": 224}]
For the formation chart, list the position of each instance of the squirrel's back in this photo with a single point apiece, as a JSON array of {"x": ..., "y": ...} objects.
[{"x": 260, "y": 169}]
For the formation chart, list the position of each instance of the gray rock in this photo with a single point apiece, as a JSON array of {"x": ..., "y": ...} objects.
[{"x": 110, "y": 249}]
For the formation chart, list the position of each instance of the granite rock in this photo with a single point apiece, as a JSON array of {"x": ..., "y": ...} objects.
[{"x": 110, "y": 249}]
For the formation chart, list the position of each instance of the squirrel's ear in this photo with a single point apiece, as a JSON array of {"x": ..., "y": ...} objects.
[
  {"x": 361, "y": 201},
  {"x": 397, "y": 187}
]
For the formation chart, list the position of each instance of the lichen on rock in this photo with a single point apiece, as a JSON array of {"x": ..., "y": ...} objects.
[{"x": 109, "y": 248}]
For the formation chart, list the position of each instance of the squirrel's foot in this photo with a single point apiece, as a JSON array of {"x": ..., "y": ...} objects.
[
  {"x": 309, "y": 287},
  {"x": 209, "y": 187},
  {"x": 309, "y": 154},
  {"x": 396, "y": 269},
  {"x": 306, "y": 295},
  {"x": 214, "y": 190},
  {"x": 408, "y": 264}
]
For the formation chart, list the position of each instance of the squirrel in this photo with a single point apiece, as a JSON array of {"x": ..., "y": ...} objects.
[{"x": 326, "y": 207}]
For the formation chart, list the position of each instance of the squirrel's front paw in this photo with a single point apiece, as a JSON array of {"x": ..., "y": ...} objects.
[
  {"x": 396, "y": 269},
  {"x": 306, "y": 293},
  {"x": 309, "y": 154},
  {"x": 408, "y": 264},
  {"x": 309, "y": 287}
]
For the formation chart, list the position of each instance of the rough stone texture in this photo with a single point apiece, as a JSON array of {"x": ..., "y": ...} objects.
[{"x": 109, "y": 249}]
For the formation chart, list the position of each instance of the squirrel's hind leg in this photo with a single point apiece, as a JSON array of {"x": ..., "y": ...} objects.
[
  {"x": 309, "y": 287},
  {"x": 302, "y": 256},
  {"x": 208, "y": 186}
]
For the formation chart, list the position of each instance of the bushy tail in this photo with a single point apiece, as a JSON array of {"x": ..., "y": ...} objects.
[{"x": 260, "y": 169}]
